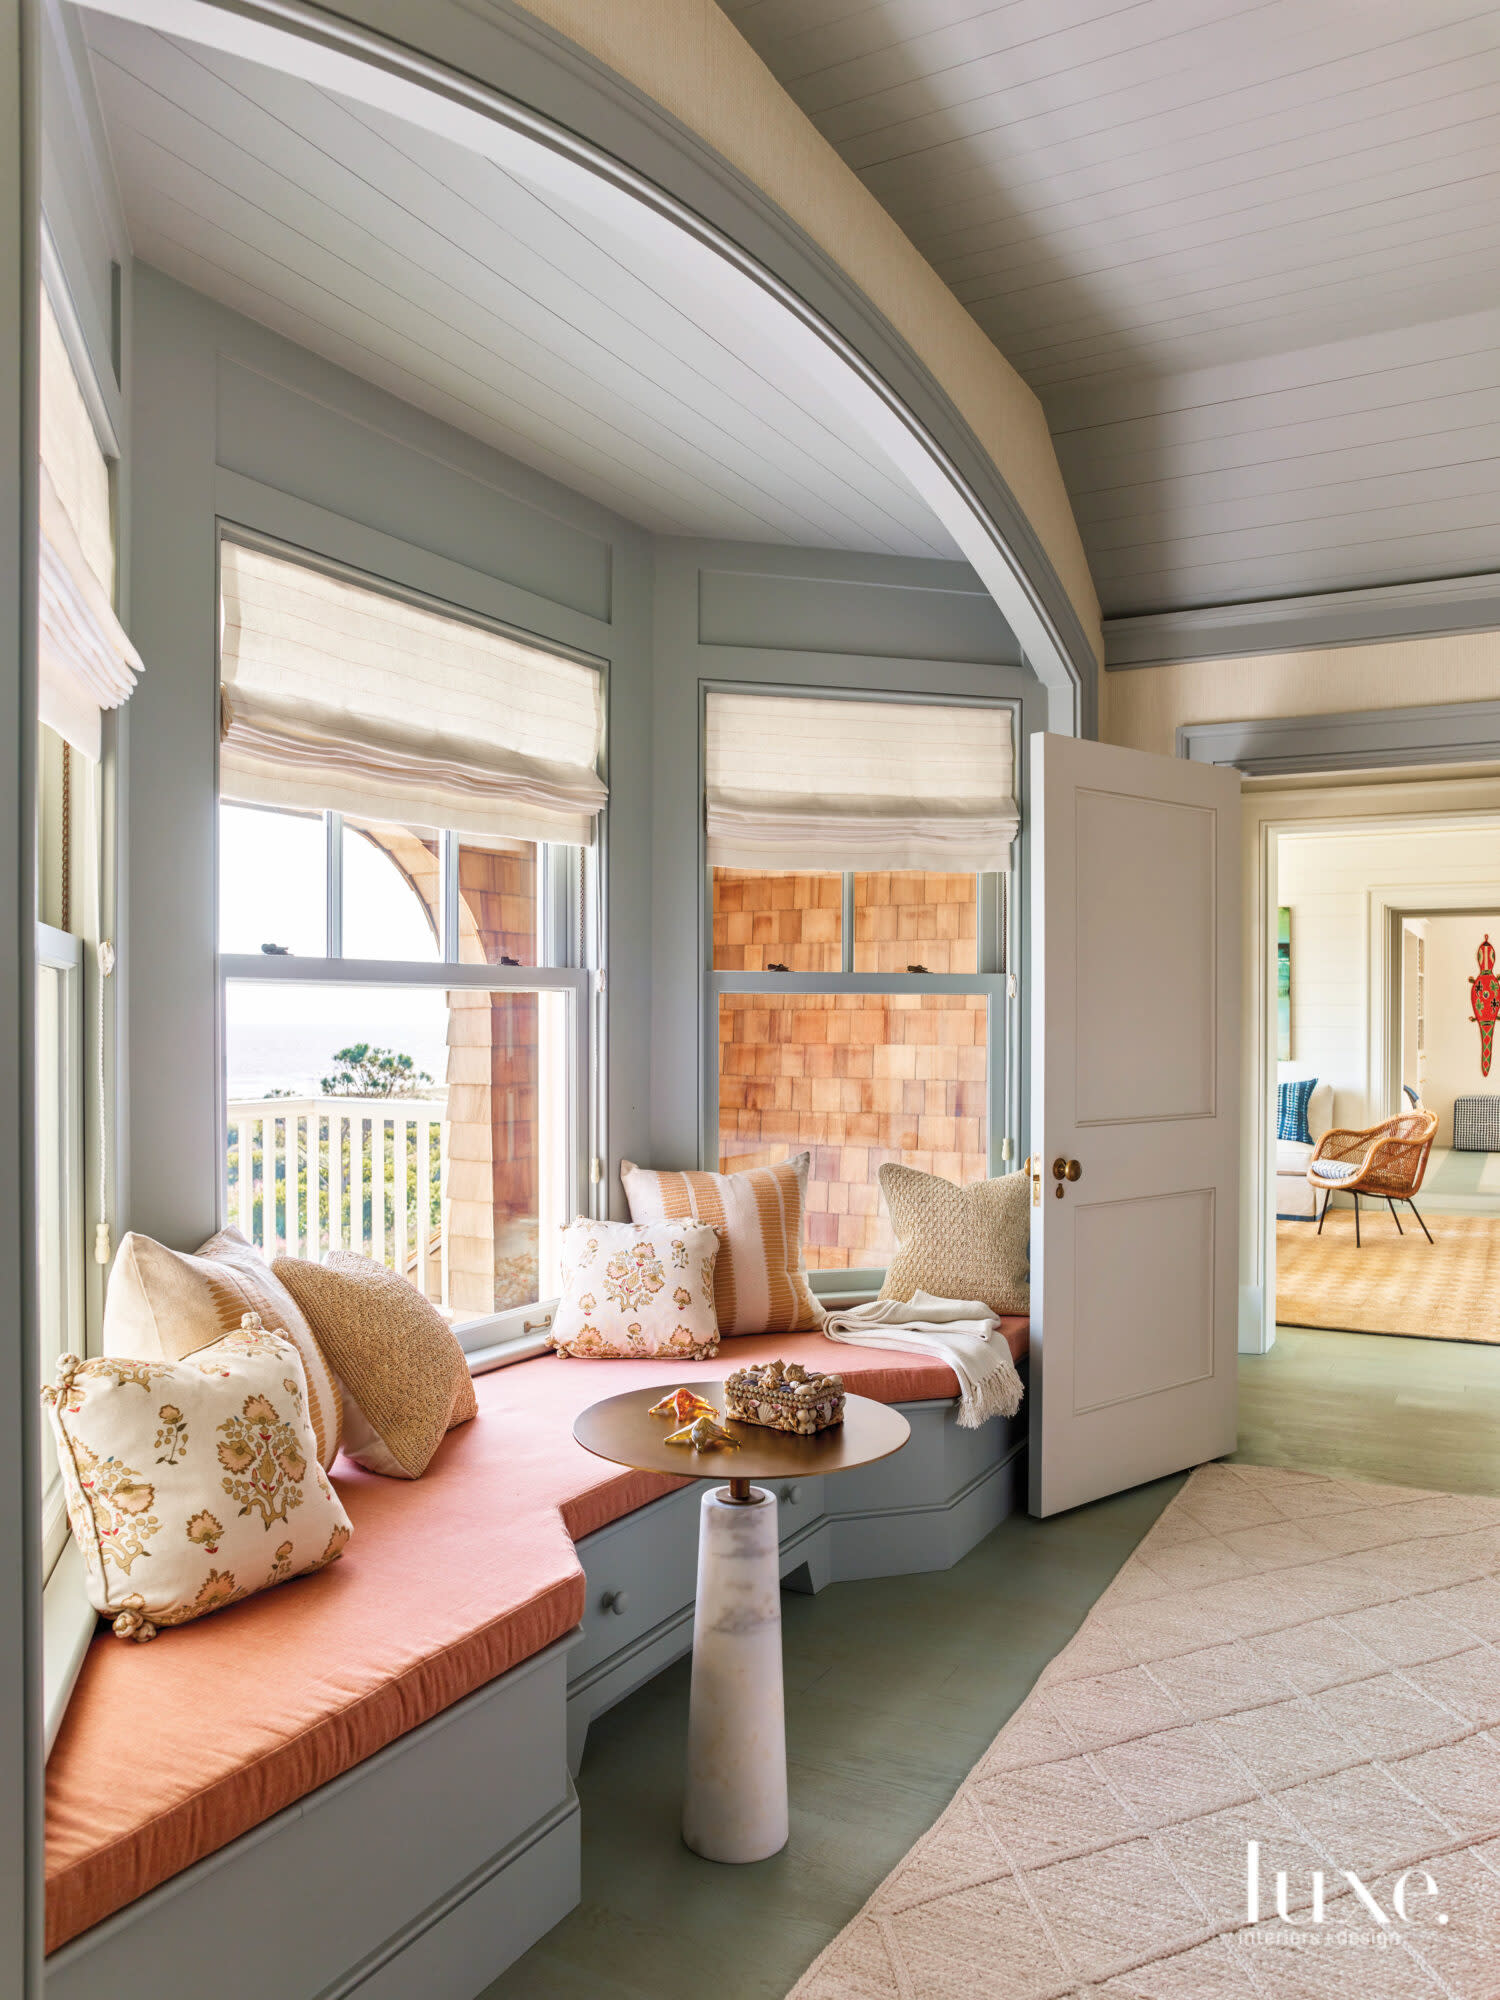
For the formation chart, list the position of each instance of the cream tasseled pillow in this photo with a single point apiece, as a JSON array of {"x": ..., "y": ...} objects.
[
  {"x": 760, "y": 1285},
  {"x": 191, "y": 1484},
  {"x": 956, "y": 1242},
  {"x": 405, "y": 1378},
  {"x": 633, "y": 1291},
  {"x": 163, "y": 1305}
]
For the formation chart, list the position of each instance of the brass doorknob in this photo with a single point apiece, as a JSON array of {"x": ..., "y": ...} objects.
[{"x": 1066, "y": 1170}]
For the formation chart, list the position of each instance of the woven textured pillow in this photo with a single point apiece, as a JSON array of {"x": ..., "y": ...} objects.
[
  {"x": 632, "y": 1291},
  {"x": 956, "y": 1242},
  {"x": 163, "y": 1305},
  {"x": 191, "y": 1484},
  {"x": 405, "y": 1378},
  {"x": 760, "y": 1285}
]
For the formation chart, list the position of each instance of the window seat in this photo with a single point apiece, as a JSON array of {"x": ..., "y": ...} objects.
[{"x": 170, "y": 1751}]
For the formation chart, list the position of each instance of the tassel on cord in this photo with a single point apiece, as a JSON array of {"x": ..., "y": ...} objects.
[
  {"x": 132, "y": 1622},
  {"x": 68, "y": 1366}
]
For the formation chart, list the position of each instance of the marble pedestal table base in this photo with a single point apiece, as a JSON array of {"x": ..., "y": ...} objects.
[{"x": 734, "y": 1808}]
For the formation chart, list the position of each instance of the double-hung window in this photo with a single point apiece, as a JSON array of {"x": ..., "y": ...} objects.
[
  {"x": 408, "y": 909},
  {"x": 858, "y": 853},
  {"x": 86, "y": 666}
]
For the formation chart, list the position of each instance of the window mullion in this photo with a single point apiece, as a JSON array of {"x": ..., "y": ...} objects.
[
  {"x": 333, "y": 824},
  {"x": 448, "y": 846},
  {"x": 870, "y": 984},
  {"x": 991, "y": 923}
]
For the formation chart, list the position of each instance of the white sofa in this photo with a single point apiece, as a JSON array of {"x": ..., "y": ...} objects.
[{"x": 1295, "y": 1200}]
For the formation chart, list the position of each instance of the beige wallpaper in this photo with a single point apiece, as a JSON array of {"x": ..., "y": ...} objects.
[
  {"x": 1142, "y": 707},
  {"x": 688, "y": 56}
]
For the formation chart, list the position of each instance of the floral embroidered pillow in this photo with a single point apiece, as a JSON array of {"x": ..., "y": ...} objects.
[
  {"x": 635, "y": 1290},
  {"x": 191, "y": 1484}
]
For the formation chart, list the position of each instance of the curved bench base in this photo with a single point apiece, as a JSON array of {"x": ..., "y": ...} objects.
[{"x": 410, "y": 1874}]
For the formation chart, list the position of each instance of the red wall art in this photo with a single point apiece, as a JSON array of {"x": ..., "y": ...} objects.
[{"x": 1484, "y": 1000}]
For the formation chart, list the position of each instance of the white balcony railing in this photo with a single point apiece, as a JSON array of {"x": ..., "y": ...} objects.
[{"x": 308, "y": 1175}]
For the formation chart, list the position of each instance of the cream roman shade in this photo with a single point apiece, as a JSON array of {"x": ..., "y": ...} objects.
[
  {"x": 343, "y": 697},
  {"x": 798, "y": 783},
  {"x": 85, "y": 661}
]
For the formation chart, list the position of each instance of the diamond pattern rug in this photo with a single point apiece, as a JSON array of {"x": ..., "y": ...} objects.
[{"x": 1308, "y": 1664}]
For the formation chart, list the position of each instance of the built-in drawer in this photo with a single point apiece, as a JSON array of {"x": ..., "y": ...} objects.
[
  {"x": 643, "y": 1569},
  {"x": 638, "y": 1571},
  {"x": 799, "y": 1503}
]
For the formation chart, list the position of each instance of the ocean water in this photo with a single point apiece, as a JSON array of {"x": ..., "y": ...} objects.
[{"x": 262, "y": 1056}]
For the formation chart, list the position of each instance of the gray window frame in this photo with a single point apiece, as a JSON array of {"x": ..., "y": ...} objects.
[
  {"x": 572, "y": 926},
  {"x": 996, "y": 955}
]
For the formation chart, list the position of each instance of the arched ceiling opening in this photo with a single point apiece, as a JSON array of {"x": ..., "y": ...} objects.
[
  {"x": 494, "y": 305},
  {"x": 480, "y": 257}
]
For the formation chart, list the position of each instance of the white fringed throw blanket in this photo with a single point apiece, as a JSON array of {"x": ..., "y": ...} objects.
[{"x": 962, "y": 1332}]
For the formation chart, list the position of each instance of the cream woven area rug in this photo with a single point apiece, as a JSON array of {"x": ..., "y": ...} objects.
[
  {"x": 1297, "y": 1672},
  {"x": 1392, "y": 1284}
]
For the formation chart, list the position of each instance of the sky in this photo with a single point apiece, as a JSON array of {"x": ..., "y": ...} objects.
[{"x": 272, "y": 889}]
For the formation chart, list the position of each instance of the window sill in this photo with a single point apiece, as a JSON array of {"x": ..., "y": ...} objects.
[
  {"x": 521, "y": 1347},
  {"x": 839, "y": 1290},
  {"x": 69, "y": 1622},
  {"x": 494, "y": 1340}
]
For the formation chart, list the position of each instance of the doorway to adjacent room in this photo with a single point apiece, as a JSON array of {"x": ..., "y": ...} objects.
[{"x": 1383, "y": 1079}]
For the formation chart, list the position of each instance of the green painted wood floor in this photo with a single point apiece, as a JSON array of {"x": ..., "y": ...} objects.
[{"x": 895, "y": 1687}]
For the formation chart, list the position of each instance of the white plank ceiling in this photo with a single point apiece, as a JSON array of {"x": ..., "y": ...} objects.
[
  {"x": 1246, "y": 251},
  {"x": 467, "y": 293}
]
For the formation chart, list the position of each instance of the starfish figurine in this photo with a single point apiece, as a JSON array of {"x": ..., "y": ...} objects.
[
  {"x": 704, "y": 1435},
  {"x": 682, "y": 1405}
]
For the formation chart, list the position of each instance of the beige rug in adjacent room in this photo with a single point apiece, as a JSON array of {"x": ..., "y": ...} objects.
[
  {"x": 1446, "y": 1290},
  {"x": 1305, "y": 1663}
]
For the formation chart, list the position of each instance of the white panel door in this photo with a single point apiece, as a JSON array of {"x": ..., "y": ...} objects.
[{"x": 1134, "y": 1117}]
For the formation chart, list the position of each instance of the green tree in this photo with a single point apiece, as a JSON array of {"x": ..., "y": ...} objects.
[{"x": 368, "y": 1072}]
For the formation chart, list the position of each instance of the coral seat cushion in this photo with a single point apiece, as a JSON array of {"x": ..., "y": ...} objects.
[{"x": 168, "y": 1752}]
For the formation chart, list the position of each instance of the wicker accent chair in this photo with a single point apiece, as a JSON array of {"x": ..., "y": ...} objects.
[{"x": 1386, "y": 1160}]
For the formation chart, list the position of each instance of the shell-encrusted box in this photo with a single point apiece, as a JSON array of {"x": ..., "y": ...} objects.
[{"x": 782, "y": 1396}]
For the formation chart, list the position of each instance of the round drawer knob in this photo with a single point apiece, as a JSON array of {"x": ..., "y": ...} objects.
[
  {"x": 614, "y": 1600},
  {"x": 788, "y": 1496}
]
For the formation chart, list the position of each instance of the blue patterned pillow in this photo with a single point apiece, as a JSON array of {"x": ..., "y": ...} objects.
[{"x": 1291, "y": 1109}]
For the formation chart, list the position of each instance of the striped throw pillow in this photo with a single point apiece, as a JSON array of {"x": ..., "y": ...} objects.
[
  {"x": 760, "y": 1285},
  {"x": 1292, "y": 1100}
]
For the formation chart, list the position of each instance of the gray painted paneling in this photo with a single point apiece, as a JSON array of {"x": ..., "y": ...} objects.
[
  {"x": 773, "y": 593},
  {"x": 464, "y": 291},
  {"x": 896, "y": 619},
  {"x": 21, "y": 1750},
  {"x": 197, "y": 362},
  {"x": 270, "y": 432},
  {"x": 167, "y": 947},
  {"x": 806, "y": 617},
  {"x": 1248, "y": 256}
]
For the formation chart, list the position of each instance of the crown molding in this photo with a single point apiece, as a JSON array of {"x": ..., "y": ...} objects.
[{"x": 1305, "y": 624}]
